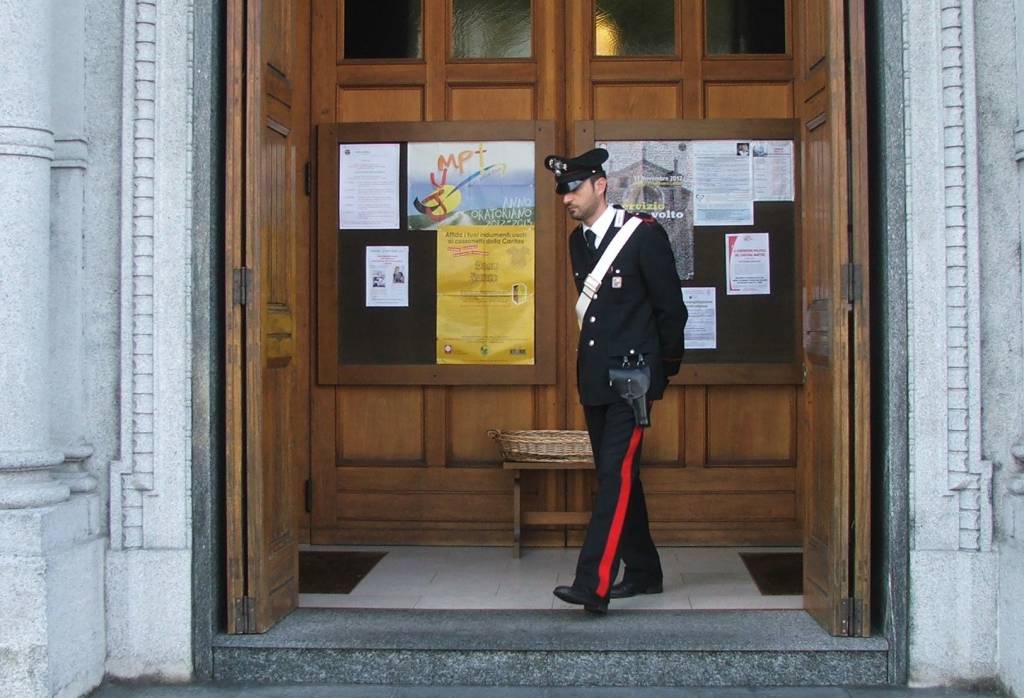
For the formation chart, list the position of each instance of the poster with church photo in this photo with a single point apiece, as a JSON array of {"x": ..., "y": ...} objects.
[{"x": 656, "y": 177}]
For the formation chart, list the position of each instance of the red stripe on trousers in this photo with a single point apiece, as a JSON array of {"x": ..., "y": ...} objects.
[{"x": 604, "y": 570}]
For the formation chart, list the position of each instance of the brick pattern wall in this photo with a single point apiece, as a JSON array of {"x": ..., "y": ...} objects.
[
  {"x": 969, "y": 476},
  {"x": 148, "y": 215}
]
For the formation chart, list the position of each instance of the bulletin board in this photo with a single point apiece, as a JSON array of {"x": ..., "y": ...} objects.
[
  {"x": 727, "y": 193},
  {"x": 435, "y": 254}
]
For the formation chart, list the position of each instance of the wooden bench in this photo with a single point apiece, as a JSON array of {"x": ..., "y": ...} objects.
[{"x": 522, "y": 518}]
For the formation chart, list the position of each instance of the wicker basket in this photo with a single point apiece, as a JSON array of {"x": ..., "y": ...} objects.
[{"x": 543, "y": 445}]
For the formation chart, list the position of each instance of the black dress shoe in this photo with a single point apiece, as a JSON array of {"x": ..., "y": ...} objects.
[
  {"x": 624, "y": 589},
  {"x": 589, "y": 600}
]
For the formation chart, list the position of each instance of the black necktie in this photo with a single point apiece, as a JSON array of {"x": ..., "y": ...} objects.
[{"x": 591, "y": 237}]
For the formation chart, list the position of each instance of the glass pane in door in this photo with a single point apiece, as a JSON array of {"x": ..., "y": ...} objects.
[
  {"x": 635, "y": 28},
  {"x": 491, "y": 29},
  {"x": 384, "y": 29},
  {"x": 746, "y": 26}
]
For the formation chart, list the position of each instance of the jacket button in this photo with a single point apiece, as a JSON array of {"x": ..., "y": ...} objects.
[
  {"x": 593, "y": 319},
  {"x": 590, "y": 343}
]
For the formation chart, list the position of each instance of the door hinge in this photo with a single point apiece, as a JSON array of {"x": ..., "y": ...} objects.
[
  {"x": 309, "y": 178},
  {"x": 309, "y": 496},
  {"x": 241, "y": 285},
  {"x": 245, "y": 614},
  {"x": 852, "y": 282},
  {"x": 851, "y": 616}
]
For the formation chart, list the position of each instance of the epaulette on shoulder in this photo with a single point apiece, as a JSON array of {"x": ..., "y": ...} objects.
[{"x": 645, "y": 217}]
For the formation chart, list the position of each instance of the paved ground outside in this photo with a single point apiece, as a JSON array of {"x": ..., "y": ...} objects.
[{"x": 307, "y": 691}]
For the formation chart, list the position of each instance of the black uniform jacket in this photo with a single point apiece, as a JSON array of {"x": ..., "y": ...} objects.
[{"x": 639, "y": 307}]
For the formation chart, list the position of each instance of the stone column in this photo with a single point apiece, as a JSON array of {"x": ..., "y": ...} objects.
[
  {"x": 70, "y": 161},
  {"x": 26, "y": 151}
]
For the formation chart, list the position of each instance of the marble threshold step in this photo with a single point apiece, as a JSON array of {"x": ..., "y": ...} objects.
[{"x": 550, "y": 648}]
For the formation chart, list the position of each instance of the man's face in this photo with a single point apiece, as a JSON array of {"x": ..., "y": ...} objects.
[{"x": 586, "y": 201}]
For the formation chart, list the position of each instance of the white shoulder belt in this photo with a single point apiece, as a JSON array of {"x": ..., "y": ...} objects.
[{"x": 593, "y": 280}]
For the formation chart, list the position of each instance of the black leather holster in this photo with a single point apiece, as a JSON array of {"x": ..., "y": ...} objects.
[{"x": 631, "y": 381}]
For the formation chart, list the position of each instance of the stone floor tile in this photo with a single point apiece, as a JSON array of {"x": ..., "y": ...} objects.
[
  {"x": 358, "y": 600},
  {"x": 694, "y": 578}
]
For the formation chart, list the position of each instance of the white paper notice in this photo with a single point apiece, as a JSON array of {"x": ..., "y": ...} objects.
[
  {"x": 723, "y": 183},
  {"x": 730, "y": 213},
  {"x": 773, "y": 170},
  {"x": 368, "y": 182},
  {"x": 387, "y": 277},
  {"x": 747, "y": 264},
  {"x": 702, "y": 325}
]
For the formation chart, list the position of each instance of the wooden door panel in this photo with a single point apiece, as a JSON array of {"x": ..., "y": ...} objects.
[
  {"x": 722, "y": 443},
  {"x": 275, "y": 171},
  {"x": 356, "y": 105},
  {"x": 450, "y": 506},
  {"x": 814, "y": 87},
  {"x": 274, "y": 367},
  {"x": 419, "y": 505},
  {"x": 280, "y": 345},
  {"x": 815, "y": 24},
  {"x": 733, "y": 443},
  {"x": 381, "y": 425},
  {"x": 277, "y": 28},
  {"x": 695, "y": 443},
  {"x": 267, "y": 329},
  {"x": 831, "y": 133},
  {"x": 818, "y": 310},
  {"x": 491, "y": 103},
  {"x": 661, "y": 441},
  {"x": 753, "y": 425},
  {"x": 705, "y": 480},
  {"x": 637, "y": 101},
  {"x": 729, "y": 100},
  {"x": 473, "y": 411},
  {"x": 739, "y": 511},
  {"x": 678, "y": 506},
  {"x": 441, "y": 430},
  {"x": 722, "y": 533},
  {"x": 820, "y": 516},
  {"x": 719, "y": 506},
  {"x": 277, "y": 447},
  {"x": 817, "y": 213}
]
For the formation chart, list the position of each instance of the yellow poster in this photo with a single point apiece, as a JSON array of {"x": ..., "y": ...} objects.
[{"x": 485, "y": 294}]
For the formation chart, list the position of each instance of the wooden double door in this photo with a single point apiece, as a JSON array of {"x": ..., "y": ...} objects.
[{"x": 736, "y": 456}]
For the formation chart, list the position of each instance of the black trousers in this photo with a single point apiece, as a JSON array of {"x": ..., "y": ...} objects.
[{"x": 618, "y": 529}]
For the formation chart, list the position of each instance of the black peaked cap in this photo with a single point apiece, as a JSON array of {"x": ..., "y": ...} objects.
[{"x": 571, "y": 172}]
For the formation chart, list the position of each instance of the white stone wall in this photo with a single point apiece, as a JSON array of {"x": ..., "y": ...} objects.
[
  {"x": 965, "y": 134},
  {"x": 95, "y": 273},
  {"x": 101, "y": 265},
  {"x": 1002, "y": 56},
  {"x": 149, "y": 564},
  {"x": 953, "y": 562},
  {"x": 52, "y": 598}
]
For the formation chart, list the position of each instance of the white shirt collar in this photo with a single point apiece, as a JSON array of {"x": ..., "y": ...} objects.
[{"x": 601, "y": 225}]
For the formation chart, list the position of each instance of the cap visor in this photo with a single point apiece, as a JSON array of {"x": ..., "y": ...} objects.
[{"x": 566, "y": 187}]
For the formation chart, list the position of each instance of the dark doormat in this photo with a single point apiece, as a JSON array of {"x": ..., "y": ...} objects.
[
  {"x": 334, "y": 572},
  {"x": 776, "y": 574}
]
